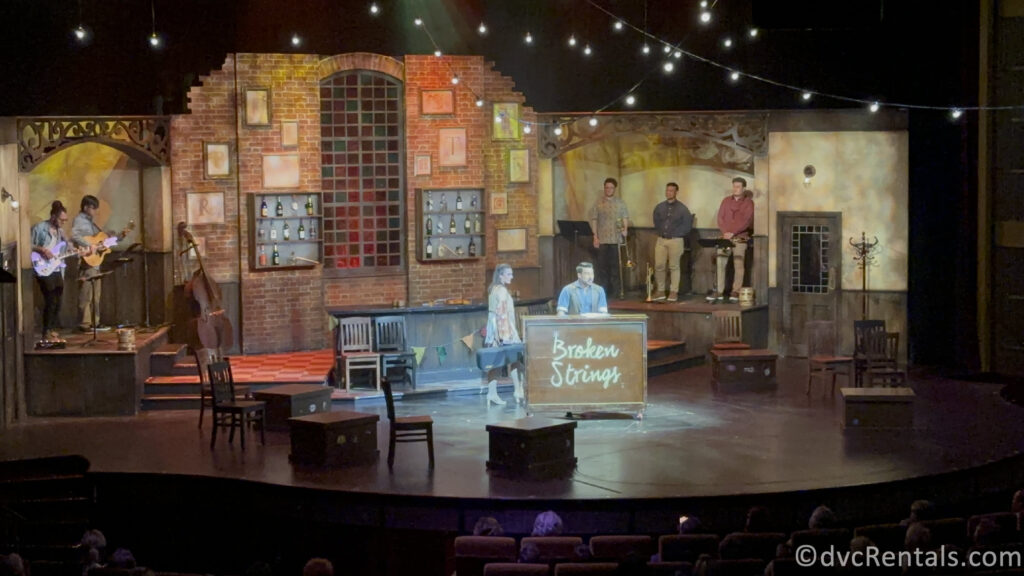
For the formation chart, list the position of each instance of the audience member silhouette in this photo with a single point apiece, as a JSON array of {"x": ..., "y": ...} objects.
[
  {"x": 318, "y": 567},
  {"x": 487, "y": 526},
  {"x": 920, "y": 511},
  {"x": 547, "y": 524}
]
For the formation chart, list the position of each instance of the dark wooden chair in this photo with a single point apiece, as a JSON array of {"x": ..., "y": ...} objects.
[
  {"x": 868, "y": 346},
  {"x": 822, "y": 360},
  {"x": 203, "y": 358},
  {"x": 407, "y": 428},
  {"x": 393, "y": 349},
  {"x": 228, "y": 412},
  {"x": 883, "y": 365}
]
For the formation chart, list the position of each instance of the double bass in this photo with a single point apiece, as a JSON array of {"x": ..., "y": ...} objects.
[{"x": 210, "y": 328}]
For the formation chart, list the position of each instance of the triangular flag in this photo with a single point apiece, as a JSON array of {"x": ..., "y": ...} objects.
[
  {"x": 442, "y": 353},
  {"x": 419, "y": 351},
  {"x": 468, "y": 340}
]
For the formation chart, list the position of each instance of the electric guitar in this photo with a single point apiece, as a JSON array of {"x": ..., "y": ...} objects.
[
  {"x": 102, "y": 243},
  {"x": 44, "y": 267}
]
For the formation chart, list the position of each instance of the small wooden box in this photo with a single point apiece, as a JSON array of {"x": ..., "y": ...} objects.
[
  {"x": 532, "y": 448},
  {"x": 334, "y": 438},
  {"x": 743, "y": 370},
  {"x": 877, "y": 407},
  {"x": 291, "y": 400}
]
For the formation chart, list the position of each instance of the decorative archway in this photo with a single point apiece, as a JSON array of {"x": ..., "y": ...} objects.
[{"x": 145, "y": 138}]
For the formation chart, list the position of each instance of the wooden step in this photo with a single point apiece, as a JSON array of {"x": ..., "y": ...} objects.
[
  {"x": 673, "y": 363},
  {"x": 163, "y": 359}
]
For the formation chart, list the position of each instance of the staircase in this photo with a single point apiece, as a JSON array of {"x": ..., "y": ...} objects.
[
  {"x": 664, "y": 356},
  {"x": 173, "y": 383}
]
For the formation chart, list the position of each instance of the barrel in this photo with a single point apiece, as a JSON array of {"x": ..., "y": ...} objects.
[
  {"x": 746, "y": 296},
  {"x": 126, "y": 339}
]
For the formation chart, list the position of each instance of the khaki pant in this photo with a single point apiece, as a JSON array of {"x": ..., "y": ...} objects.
[
  {"x": 670, "y": 249},
  {"x": 85, "y": 289},
  {"x": 739, "y": 254}
]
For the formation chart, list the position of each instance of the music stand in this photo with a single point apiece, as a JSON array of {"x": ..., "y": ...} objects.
[
  {"x": 574, "y": 229},
  {"x": 93, "y": 279}
]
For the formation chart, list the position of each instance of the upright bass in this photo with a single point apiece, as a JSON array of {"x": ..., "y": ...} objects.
[{"x": 210, "y": 328}]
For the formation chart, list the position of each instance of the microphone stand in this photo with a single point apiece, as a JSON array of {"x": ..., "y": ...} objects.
[{"x": 95, "y": 337}]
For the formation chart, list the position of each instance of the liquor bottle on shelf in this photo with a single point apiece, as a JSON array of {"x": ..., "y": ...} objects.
[
  {"x": 430, "y": 203},
  {"x": 279, "y": 209},
  {"x": 309, "y": 205},
  {"x": 451, "y": 225},
  {"x": 472, "y": 203},
  {"x": 263, "y": 209},
  {"x": 295, "y": 205},
  {"x": 276, "y": 257},
  {"x": 312, "y": 230},
  {"x": 263, "y": 256},
  {"x": 444, "y": 202},
  {"x": 273, "y": 232},
  {"x": 302, "y": 231},
  {"x": 430, "y": 226},
  {"x": 458, "y": 200},
  {"x": 472, "y": 246},
  {"x": 429, "y": 250},
  {"x": 467, "y": 227},
  {"x": 476, "y": 224},
  {"x": 287, "y": 232},
  {"x": 458, "y": 250},
  {"x": 262, "y": 233}
]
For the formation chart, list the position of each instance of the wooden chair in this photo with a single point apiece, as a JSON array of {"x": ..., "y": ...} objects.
[
  {"x": 728, "y": 330},
  {"x": 868, "y": 345},
  {"x": 228, "y": 412},
  {"x": 407, "y": 428},
  {"x": 391, "y": 344},
  {"x": 203, "y": 358},
  {"x": 884, "y": 369},
  {"x": 355, "y": 349},
  {"x": 822, "y": 360}
]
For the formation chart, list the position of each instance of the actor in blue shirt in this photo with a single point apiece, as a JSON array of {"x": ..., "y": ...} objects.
[{"x": 582, "y": 296}]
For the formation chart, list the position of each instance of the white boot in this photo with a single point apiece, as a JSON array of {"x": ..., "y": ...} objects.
[
  {"x": 492, "y": 394},
  {"x": 517, "y": 381}
]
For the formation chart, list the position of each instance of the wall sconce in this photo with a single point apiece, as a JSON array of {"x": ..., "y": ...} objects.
[
  {"x": 809, "y": 173},
  {"x": 5, "y": 196}
]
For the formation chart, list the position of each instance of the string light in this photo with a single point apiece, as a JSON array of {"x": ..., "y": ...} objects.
[
  {"x": 527, "y": 129},
  {"x": 806, "y": 96},
  {"x": 678, "y": 55},
  {"x": 455, "y": 79},
  {"x": 753, "y": 33},
  {"x": 374, "y": 8},
  {"x": 586, "y": 50},
  {"x": 437, "y": 53},
  {"x": 572, "y": 40},
  {"x": 618, "y": 26},
  {"x": 418, "y": 22},
  {"x": 703, "y": 3},
  {"x": 80, "y": 32},
  {"x": 630, "y": 100},
  {"x": 669, "y": 67},
  {"x": 727, "y": 42},
  {"x": 667, "y": 48},
  {"x": 873, "y": 107},
  {"x": 479, "y": 103},
  {"x": 592, "y": 121},
  {"x": 154, "y": 40},
  {"x": 482, "y": 29},
  {"x": 705, "y": 17},
  {"x": 558, "y": 130},
  {"x": 296, "y": 41},
  {"x": 956, "y": 113},
  {"x": 645, "y": 50},
  {"x": 734, "y": 76},
  {"x": 529, "y": 38}
]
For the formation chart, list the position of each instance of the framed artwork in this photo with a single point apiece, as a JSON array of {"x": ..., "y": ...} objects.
[
  {"x": 421, "y": 167},
  {"x": 519, "y": 165},
  {"x": 289, "y": 134},
  {"x": 216, "y": 160},
  {"x": 437, "y": 102},
  {"x": 206, "y": 208},
  {"x": 281, "y": 171},
  {"x": 451, "y": 147},
  {"x": 499, "y": 203},
  {"x": 512, "y": 240},
  {"x": 257, "y": 106},
  {"x": 506, "y": 121}
]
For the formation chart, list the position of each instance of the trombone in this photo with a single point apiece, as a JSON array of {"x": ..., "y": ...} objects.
[{"x": 628, "y": 264}]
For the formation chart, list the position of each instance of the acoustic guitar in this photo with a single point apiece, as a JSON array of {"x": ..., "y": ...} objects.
[{"x": 102, "y": 244}]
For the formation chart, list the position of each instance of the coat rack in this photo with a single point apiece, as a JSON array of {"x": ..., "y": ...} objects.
[{"x": 864, "y": 256}]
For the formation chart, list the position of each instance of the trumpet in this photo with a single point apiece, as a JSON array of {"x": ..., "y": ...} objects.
[
  {"x": 650, "y": 283},
  {"x": 628, "y": 264}
]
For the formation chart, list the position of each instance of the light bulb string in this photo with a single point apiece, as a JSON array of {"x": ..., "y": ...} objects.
[
  {"x": 447, "y": 63},
  {"x": 152, "y": 10}
]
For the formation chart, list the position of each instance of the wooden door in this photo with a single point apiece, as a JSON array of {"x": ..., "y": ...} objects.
[{"x": 809, "y": 273}]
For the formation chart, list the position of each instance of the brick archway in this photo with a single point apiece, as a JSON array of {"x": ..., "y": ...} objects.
[{"x": 361, "y": 61}]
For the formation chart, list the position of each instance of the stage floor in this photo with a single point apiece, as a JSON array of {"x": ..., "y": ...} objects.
[{"x": 692, "y": 443}]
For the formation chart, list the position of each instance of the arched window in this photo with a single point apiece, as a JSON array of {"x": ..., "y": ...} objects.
[{"x": 362, "y": 159}]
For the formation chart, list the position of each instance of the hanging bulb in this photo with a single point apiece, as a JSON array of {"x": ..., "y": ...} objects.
[
  {"x": 482, "y": 29},
  {"x": 646, "y": 49},
  {"x": 668, "y": 67},
  {"x": 572, "y": 40},
  {"x": 455, "y": 79},
  {"x": 806, "y": 95},
  {"x": 558, "y": 130},
  {"x": 678, "y": 55},
  {"x": 80, "y": 33},
  {"x": 630, "y": 100},
  {"x": 527, "y": 129},
  {"x": 703, "y": 3},
  {"x": 667, "y": 49},
  {"x": 529, "y": 38},
  {"x": 374, "y": 8},
  {"x": 592, "y": 121},
  {"x": 956, "y": 113},
  {"x": 586, "y": 50},
  {"x": 296, "y": 40},
  {"x": 154, "y": 40},
  {"x": 734, "y": 76},
  {"x": 479, "y": 103},
  {"x": 873, "y": 107},
  {"x": 705, "y": 17},
  {"x": 437, "y": 53},
  {"x": 618, "y": 26},
  {"x": 753, "y": 32},
  {"x": 418, "y": 22},
  {"x": 727, "y": 42}
]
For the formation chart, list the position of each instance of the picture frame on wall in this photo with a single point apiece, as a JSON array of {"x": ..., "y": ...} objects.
[
  {"x": 205, "y": 208},
  {"x": 437, "y": 102},
  {"x": 512, "y": 240},
  {"x": 421, "y": 165},
  {"x": 518, "y": 165},
  {"x": 506, "y": 121},
  {"x": 217, "y": 160},
  {"x": 499, "y": 203},
  {"x": 281, "y": 171},
  {"x": 289, "y": 134},
  {"x": 257, "y": 107},
  {"x": 451, "y": 147}
]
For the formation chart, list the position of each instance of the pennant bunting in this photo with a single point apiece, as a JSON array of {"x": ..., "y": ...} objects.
[
  {"x": 419, "y": 351},
  {"x": 442, "y": 353},
  {"x": 468, "y": 340}
]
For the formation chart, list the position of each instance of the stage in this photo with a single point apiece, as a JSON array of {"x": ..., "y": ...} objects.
[{"x": 694, "y": 449}]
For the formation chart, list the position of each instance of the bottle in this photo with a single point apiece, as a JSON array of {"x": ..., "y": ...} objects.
[
  {"x": 295, "y": 205},
  {"x": 429, "y": 250},
  {"x": 472, "y": 203},
  {"x": 287, "y": 232},
  {"x": 263, "y": 256},
  {"x": 458, "y": 200},
  {"x": 309, "y": 205},
  {"x": 430, "y": 226},
  {"x": 279, "y": 209},
  {"x": 430, "y": 203},
  {"x": 458, "y": 250},
  {"x": 451, "y": 225},
  {"x": 302, "y": 231},
  {"x": 476, "y": 224},
  {"x": 276, "y": 257},
  {"x": 312, "y": 230},
  {"x": 263, "y": 208},
  {"x": 273, "y": 232},
  {"x": 444, "y": 202},
  {"x": 262, "y": 233},
  {"x": 472, "y": 247},
  {"x": 466, "y": 226}
]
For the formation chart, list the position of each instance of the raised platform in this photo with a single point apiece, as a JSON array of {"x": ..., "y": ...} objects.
[{"x": 690, "y": 320}]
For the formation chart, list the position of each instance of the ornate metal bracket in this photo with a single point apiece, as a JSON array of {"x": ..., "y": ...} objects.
[
  {"x": 732, "y": 138},
  {"x": 40, "y": 137}
]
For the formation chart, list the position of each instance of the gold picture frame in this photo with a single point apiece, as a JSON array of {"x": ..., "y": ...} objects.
[
  {"x": 505, "y": 121},
  {"x": 257, "y": 107},
  {"x": 421, "y": 165},
  {"x": 218, "y": 161},
  {"x": 289, "y": 134},
  {"x": 519, "y": 166},
  {"x": 451, "y": 147},
  {"x": 281, "y": 171},
  {"x": 437, "y": 102},
  {"x": 499, "y": 203}
]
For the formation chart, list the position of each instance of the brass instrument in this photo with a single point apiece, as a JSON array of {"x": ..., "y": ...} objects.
[
  {"x": 650, "y": 282},
  {"x": 623, "y": 245}
]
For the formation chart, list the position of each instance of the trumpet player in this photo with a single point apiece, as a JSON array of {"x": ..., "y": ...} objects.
[
  {"x": 610, "y": 221},
  {"x": 673, "y": 222}
]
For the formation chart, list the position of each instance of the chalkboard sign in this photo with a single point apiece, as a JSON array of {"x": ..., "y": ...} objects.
[{"x": 579, "y": 364}]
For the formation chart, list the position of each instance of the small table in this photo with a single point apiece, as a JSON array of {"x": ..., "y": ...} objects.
[
  {"x": 877, "y": 407},
  {"x": 532, "y": 448},
  {"x": 743, "y": 370},
  {"x": 334, "y": 438},
  {"x": 291, "y": 400}
]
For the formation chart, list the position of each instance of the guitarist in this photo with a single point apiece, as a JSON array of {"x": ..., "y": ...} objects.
[
  {"x": 46, "y": 235},
  {"x": 82, "y": 227}
]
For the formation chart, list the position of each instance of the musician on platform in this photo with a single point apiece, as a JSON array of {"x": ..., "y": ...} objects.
[
  {"x": 736, "y": 222},
  {"x": 46, "y": 237},
  {"x": 582, "y": 296},
  {"x": 609, "y": 219},
  {"x": 83, "y": 227},
  {"x": 672, "y": 222}
]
